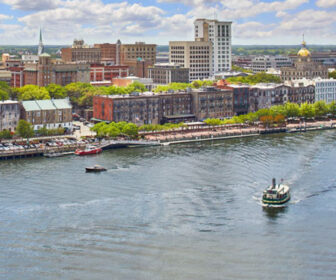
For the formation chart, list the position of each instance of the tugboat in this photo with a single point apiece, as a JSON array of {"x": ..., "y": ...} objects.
[
  {"x": 276, "y": 194},
  {"x": 90, "y": 150},
  {"x": 96, "y": 168}
]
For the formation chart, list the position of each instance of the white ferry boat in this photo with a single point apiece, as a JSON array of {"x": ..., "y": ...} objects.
[{"x": 276, "y": 194}]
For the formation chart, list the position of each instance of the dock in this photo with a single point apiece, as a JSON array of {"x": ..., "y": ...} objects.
[{"x": 38, "y": 152}]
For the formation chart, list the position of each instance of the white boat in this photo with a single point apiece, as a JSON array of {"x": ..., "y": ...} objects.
[{"x": 276, "y": 194}]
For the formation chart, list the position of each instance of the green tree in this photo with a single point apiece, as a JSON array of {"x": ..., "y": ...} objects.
[
  {"x": 113, "y": 131},
  {"x": 31, "y": 92},
  {"x": 5, "y": 134},
  {"x": 3, "y": 95},
  {"x": 213, "y": 122},
  {"x": 76, "y": 90},
  {"x": 320, "y": 108},
  {"x": 25, "y": 129},
  {"x": 332, "y": 108},
  {"x": 307, "y": 110},
  {"x": 291, "y": 110},
  {"x": 135, "y": 87},
  {"x": 130, "y": 130},
  {"x": 56, "y": 91}
]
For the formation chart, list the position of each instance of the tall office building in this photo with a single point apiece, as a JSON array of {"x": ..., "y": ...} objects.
[
  {"x": 193, "y": 55},
  {"x": 219, "y": 34}
]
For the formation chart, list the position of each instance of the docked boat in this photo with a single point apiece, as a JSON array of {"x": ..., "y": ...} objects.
[
  {"x": 96, "y": 168},
  {"x": 276, "y": 194},
  {"x": 89, "y": 150}
]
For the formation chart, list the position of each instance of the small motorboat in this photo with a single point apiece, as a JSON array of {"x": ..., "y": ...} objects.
[
  {"x": 89, "y": 150},
  {"x": 276, "y": 194},
  {"x": 96, "y": 168}
]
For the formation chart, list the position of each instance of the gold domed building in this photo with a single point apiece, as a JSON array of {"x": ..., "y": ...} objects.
[{"x": 304, "y": 67}]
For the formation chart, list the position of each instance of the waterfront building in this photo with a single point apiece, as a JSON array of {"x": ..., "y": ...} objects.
[
  {"x": 147, "y": 108},
  {"x": 266, "y": 95},
  {"x": 219, "y": 34},
  {"x": 10, "y": 115},
  {"x": 325, "y": 90},
  {"x": 166, "y": 73},
  {"x": 195, "y": 55},
  {"x": 304, "y": 67},
  {"x": 266, "y": 62},
  {"x": 80, "y": 52},
  {"x": 51, "y": 114},
  {"x": 241, "y": 93}
]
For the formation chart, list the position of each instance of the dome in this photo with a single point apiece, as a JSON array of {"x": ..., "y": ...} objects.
[{"x": 303, "y": 52}]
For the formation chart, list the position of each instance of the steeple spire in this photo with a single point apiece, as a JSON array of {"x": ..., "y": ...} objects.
[{"x": 40, "y": 46}]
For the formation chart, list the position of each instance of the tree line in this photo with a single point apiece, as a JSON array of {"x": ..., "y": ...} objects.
[{"x": 276, "y": 115}]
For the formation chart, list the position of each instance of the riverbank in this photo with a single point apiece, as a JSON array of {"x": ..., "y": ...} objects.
[
  {"x": 222, "y": 132},
  {"x": 195, "y": 133}
]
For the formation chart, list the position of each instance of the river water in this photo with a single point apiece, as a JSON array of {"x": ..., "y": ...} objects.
[{"x": 178, "y": 212}]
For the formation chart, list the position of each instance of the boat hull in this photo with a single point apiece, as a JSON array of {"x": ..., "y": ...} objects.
[
  {"x": 276, "y": 201},
  {"x": 85, "y": 153},
  {"x": 96, "y": 170}
]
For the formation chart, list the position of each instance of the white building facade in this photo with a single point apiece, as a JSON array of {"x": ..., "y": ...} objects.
[
  {"x": 219, "y": 34},
  {"x": 325, "y": 90},
  {"x": 195, "y": 55}
]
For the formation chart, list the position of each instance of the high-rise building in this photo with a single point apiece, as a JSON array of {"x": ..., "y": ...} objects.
[
  {"x": 40, "y": 49},
  {"x": 219, "y": 34},
  {"x": 193, "y": 55}
]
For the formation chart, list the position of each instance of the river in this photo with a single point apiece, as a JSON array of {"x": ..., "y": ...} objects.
[{"x": 177, "y": 212}]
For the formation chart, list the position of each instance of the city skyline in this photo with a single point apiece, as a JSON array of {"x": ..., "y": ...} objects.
[{"x": 161, "y": 21}]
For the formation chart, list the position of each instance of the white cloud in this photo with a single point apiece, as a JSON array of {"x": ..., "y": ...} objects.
[
  {"x": 326, "y": 3},
  {"x": 32, "y": 5},
  {"x": 5, "y": 17}
]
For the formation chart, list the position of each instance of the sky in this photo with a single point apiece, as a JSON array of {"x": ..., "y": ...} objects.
[{"x": 262, "y": 22}]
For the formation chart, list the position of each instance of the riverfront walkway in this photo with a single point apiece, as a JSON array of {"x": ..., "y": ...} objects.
[{"x": 221, "y": 132}]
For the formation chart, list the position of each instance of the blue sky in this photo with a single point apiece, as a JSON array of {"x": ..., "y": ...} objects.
[{"x": 161, "y": 21}]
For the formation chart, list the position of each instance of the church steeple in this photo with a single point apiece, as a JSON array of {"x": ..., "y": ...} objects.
[{"x": 40, "y": 46}]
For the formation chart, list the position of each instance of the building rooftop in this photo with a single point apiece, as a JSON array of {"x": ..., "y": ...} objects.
[
  {"x": 30, "y": 105},
  {"x": 61, "y": 103},
  {"x": 8, "y": 102},
  {"x": 49, "y": 104}
]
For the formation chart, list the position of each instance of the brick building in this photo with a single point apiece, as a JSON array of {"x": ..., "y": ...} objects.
[
  {"x": 51, "y": 114},
  {"x": 46, "y": 72},
  {"x": 138, "y": 57},
  {"x": 101, "y": 72},
  {"x": 153, "y": 108},
  {"x": 79, "y": 52},
  {"x": 110, "y": 53}
]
